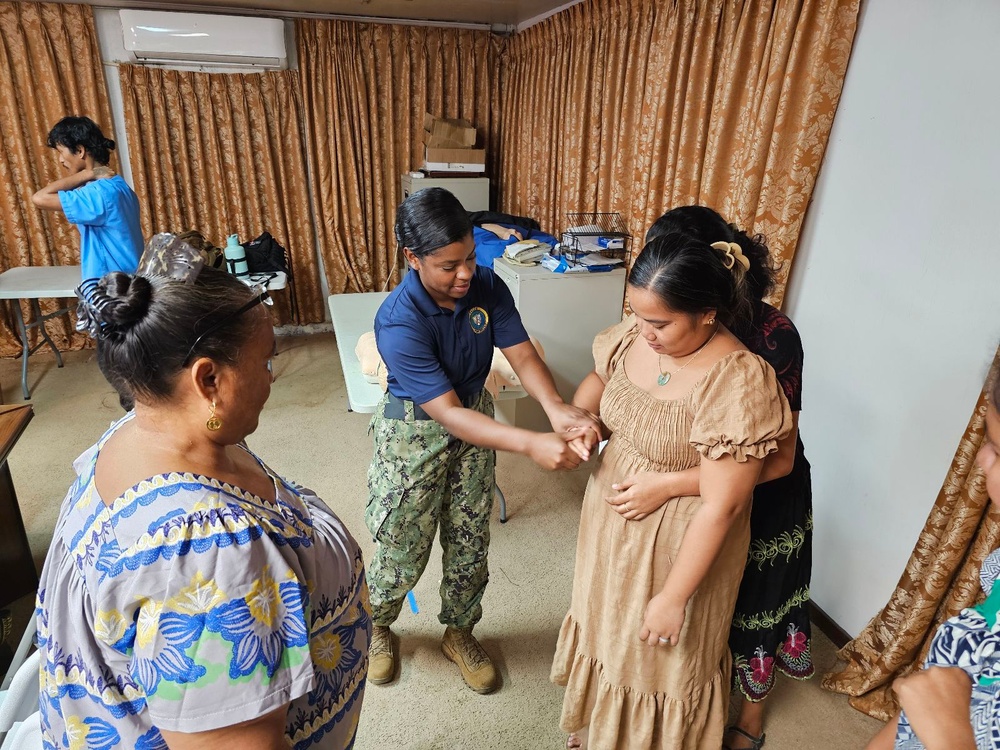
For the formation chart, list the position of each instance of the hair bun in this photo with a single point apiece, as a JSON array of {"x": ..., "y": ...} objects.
[
  {"x": 109, "y": 144},
  {"x": 124, "y": 299}
]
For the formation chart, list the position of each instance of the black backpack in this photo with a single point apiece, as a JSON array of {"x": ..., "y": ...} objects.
[{"x": 265, "y": 255}]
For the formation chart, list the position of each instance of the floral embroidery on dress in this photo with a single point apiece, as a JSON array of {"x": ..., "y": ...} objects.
[
  {"x": 796, "y": 643},
  {"x": 755, "y": 677},
  {"x": 261, "y": 626},
  {"x": 762, "y": 667}
]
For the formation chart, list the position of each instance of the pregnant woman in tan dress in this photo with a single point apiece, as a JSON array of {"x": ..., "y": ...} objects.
[{"x": 643, "y": 650}]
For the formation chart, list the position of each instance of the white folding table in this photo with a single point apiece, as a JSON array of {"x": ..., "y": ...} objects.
[
  {"x": 354, "y": 315},
  {"x": 33, "y": 283}
]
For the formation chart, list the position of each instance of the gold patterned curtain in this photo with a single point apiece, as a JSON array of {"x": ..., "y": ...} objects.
[
  {"x": 223, "y": 154},
  {"x": 51, "y": 68},
  {"x": 637, "y": 106},
  {"x": 940, "y": 579},
  {"x": 365, "y": 88}
]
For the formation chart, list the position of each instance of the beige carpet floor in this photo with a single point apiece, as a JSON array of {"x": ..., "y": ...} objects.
[{"x": 307, "y": 434}]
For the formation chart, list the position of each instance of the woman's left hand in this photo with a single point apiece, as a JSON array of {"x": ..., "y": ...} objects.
[
  {"x": 662, "y": 623},
  {"x": 640, "y": 494}
]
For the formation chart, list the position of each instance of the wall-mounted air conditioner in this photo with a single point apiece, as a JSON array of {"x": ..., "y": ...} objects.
[{"x": 203, "y": 39}]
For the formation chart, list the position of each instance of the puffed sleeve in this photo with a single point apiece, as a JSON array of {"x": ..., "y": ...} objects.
[
  {"x": 611, "y": 344},
  {"x": 739, "y": 409},
  {"x": 212, "y": 613}
]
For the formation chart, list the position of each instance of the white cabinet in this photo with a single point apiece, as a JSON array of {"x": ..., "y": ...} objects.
[
  {"x": 472, "y": 192},
  {"x": 564, "y": 311}
]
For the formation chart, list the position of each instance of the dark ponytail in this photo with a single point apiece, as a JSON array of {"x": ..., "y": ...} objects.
[
  {"x": 430, "y": 219},
  {"x": 707, "y": 225},
  {"x": 74, "y": 132}
]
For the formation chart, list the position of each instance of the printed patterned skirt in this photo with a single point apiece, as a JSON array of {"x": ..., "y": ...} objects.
[{"x": 771, "y": 630}]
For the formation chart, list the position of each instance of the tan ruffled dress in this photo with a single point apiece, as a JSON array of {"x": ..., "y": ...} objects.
[{"x": 630, "y": 695}]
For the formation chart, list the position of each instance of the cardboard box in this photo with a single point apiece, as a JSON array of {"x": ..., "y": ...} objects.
[
  {"x": 444, "y": 133},
  {"x": 455, "y": 159}
]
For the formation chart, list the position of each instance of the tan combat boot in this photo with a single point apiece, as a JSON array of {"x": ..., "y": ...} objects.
[
  {"x": 477, "y": 669},
  {"x": 381, "y": 657}
]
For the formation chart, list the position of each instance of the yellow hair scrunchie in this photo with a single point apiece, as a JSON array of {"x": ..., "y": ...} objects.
[{"x": 733, "y": 254}]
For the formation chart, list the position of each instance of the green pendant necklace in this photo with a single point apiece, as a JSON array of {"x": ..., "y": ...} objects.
[{"x": 665, "y": 376}]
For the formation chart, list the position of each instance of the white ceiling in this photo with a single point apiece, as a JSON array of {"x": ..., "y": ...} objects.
[{"x": 508, "y": 12}]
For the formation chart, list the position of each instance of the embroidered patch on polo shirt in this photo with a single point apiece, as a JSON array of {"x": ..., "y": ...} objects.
[{"x": 478, "y": 319}]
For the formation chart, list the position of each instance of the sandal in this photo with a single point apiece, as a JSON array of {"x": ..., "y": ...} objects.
[{"x": 756, "y": 743}]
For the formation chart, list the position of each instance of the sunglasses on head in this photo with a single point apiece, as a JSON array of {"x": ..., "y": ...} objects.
[{"x": 262, "y": 297}]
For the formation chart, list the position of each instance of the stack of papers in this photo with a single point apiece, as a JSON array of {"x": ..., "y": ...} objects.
[
  {"x": 589, "y": 263},
  {"x": 592, "y": 260}
]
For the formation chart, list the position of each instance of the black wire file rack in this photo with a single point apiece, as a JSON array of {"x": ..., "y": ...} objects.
[{"x": 596, "y": 231}]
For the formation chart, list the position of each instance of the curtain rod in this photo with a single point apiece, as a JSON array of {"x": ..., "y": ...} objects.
[{"x": 497, "y": 28}]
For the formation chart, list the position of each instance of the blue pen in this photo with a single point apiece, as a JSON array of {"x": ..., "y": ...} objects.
[{"x": 413, "y": 602}]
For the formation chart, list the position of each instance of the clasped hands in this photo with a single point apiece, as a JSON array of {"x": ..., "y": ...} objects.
[
  {"x": 637, "y": 495},
  {"x": 575, "y": 434}
]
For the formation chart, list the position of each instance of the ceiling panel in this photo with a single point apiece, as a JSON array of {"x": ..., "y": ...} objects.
[{"x": 510, "y": 12}]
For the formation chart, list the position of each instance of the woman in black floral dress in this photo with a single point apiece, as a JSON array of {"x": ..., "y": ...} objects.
[{"x": 770, "y": 631}]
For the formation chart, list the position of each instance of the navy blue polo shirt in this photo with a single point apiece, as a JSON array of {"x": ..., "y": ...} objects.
[{"x": 430, "y": 350}]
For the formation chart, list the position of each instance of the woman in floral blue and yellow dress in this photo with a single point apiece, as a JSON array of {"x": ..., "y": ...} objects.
[{"x": 192, "y": 597}]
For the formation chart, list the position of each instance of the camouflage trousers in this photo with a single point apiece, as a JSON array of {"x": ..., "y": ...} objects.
[{"x": 420, "y": 478}]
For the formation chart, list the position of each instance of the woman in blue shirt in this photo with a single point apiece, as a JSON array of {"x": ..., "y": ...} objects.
[
  {"x": 100, "y": 203},
  {"x": 435, "y": 435}
]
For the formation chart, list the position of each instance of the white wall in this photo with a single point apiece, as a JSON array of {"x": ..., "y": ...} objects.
[{"x": 896, "y": 287}]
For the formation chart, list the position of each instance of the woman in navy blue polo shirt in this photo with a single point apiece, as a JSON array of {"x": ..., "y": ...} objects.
[{"x": 435, "y": 435}]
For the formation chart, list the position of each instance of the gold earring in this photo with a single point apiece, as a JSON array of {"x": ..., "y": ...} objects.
[
  {"x": 710, "y": 322},
  {"x": 214, "y": 424}
]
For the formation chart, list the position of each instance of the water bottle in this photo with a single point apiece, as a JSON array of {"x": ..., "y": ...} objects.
[{"x": 236, "y": 257}]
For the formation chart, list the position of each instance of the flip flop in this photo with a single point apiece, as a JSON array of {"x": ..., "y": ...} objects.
[{"x": 756, "y": 743}]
